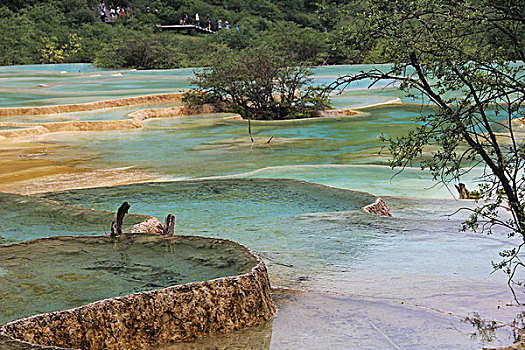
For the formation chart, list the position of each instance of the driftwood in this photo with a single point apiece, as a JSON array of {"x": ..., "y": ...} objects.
[
  {"x": 169, "y": 227},
  {"x": 462, "y": 190},
  {"x": 116, "y": 228}
]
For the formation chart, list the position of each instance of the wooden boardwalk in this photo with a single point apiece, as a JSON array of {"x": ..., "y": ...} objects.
[{"x": 190, "y": 28}]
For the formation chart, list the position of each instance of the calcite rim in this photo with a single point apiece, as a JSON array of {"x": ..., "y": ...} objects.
[{"x": 253, "y": 272}]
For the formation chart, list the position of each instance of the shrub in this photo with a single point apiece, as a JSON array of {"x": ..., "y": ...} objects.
[{"x": 258, "y": 84}]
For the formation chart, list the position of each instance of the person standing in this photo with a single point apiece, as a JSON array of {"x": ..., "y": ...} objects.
[
  {"x": 103, "y": 12},
  {"x": 197, "y": 20},
  {"x": 208, "y": 23}
]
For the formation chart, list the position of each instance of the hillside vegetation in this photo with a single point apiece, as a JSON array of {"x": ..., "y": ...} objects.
[
  {"x": 309, "y": 31},
  {"x": 52, "y": 31}
]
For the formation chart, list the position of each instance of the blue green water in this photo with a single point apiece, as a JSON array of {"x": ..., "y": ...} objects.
[
  {"x": 343, "y": 152},
  {"x": 395, "y": 271},
  {"x": 69, "y": 67},
  {"x": 66, "y": 84},
  {"x": 316, "y": 239},
  {"x": 27, "y": 218}
]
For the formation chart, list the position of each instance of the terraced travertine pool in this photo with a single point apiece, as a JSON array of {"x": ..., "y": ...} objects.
[{"x": 359, "y": 280}]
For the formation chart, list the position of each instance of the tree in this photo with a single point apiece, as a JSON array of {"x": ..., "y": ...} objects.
[
  {"x": 56, "y": 53},
  {"x": 258, "y": 84},
  {"x": 466, "y": 59}
]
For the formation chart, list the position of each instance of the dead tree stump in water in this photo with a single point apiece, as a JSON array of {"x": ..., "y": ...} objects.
[
  {"x": 116, "y": 228},
  {"x": 169, "y": 226},
  {"x": 250, "y": 129},
  {"x": 462, "y": 190}
]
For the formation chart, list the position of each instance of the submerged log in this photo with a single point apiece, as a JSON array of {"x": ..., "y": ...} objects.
[{"x": 154, "y": 226}]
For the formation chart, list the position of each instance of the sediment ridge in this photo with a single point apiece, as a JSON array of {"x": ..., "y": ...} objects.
[
  {"x": 91, "y": 106},
  {"x": 136, "y": 121}
]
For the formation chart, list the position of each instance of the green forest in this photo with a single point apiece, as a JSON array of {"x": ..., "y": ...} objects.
[
  {"x": 314, "y": 32},
  {"x": 69, "y": 31}
]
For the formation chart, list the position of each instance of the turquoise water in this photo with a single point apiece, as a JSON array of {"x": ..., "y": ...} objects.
[
  {"x": 380, "y": 180},
  {"x": 368, "y": 281},
  {"x": 68, "y": 67},
  {"x": 28, "y": 87},
  {"x": 316, "y": 239},
  {"x": 78, "y": 83},
  {"x": 291, "y": 215},
  {"x": 26, "y": 218},
  {"x": 343, "y": 152}
]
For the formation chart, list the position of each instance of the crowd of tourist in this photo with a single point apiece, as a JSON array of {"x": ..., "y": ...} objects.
[
  {"x": 113, "y": 13},
  {"x": 207, "y": 24}
]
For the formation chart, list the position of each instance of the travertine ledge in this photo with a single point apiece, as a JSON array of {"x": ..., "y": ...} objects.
[
  {"x": 91, "y": 106},
  {"x": 145, "y": 319},
  {"x": 136, "y": 121}
]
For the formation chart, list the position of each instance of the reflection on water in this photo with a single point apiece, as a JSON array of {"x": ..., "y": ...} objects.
[
  {"x": 324, "y": 321},
  {"x": 254, "y": 338}
]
